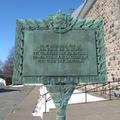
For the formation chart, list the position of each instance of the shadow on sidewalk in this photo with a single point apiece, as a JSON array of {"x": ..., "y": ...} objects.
[{"x": 2, "y": 90}]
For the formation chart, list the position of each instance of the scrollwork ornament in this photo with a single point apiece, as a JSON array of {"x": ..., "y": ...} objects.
[{"x": 60, "y": 22}]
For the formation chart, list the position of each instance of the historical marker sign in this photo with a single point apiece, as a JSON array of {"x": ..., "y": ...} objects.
[
  {"x": 53, "y": 54},
  {"x": 59, "y": 52},
  {"x": 59, "y": 48}
]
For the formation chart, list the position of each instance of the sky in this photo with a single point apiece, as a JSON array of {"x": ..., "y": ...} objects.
[{"x": 10, "y": 10}]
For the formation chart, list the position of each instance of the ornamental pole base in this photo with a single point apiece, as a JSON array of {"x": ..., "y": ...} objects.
[{"x": 60, "y": 95}]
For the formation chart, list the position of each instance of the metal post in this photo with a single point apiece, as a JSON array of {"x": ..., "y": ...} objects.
[
  {"x": 109, "y": 92},
  {"x": 45, "y": 102},
  {"x": 60, "y": 95},
  {"x": 61, "y": 113},
  {"x": 85, "y": 94}
]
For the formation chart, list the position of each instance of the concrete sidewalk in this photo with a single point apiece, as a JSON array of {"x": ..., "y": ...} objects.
[
  {"x": 24, "y": 110},
  {"x": 104, "y": 110}
]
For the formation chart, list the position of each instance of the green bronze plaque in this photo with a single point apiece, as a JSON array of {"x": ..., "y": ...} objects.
[
  {"x": 59, "y": 52},
  {"x": 59, "y": 48},
  {"x": 47, "y": 53}
]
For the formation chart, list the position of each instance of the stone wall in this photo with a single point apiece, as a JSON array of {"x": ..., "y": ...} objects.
[{"x": 109, "y": 10}]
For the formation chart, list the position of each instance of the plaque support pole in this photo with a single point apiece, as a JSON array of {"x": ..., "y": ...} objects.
[{"x": 60, "y": 95}]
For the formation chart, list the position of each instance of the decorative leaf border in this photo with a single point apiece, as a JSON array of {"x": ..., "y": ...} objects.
[{"x": 59, "y": 23}]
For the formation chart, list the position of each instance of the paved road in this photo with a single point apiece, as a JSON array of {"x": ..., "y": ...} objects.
[
  {"x": 10, "y": 97},
  {"x": 23, "y": 111}
]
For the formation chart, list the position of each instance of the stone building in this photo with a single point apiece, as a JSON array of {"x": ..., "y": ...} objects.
[{"x": 109, "y": 11}]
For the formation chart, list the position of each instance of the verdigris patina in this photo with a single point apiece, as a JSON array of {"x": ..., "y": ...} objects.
[{"x": 59, "y": 52}]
